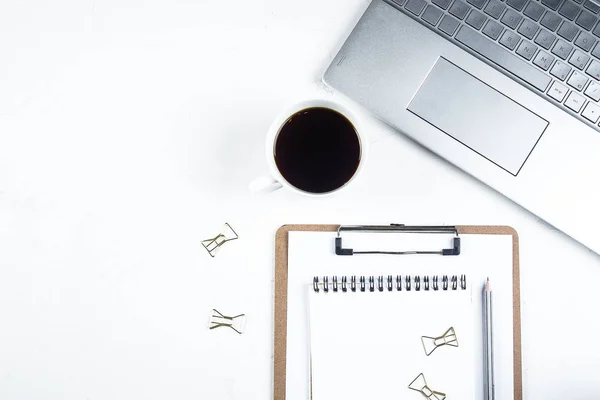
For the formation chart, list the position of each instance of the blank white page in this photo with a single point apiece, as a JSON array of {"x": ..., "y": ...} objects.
[
  {"x": 367, "y": 345},
  {"x": 312, "y": 253}
]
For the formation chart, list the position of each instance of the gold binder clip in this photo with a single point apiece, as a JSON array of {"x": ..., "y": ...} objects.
[
  {"x": 420, "y": 385},
  {"x": 218, "y": 320},
  {"x": 447, "y": 339},
  {"x": 214, "y": 244}
]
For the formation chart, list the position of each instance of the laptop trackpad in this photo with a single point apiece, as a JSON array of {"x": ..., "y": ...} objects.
[{"x": 478, "y": 116}]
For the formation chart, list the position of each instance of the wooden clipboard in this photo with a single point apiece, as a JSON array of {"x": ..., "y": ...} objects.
[{"x": 281, "y": 285}]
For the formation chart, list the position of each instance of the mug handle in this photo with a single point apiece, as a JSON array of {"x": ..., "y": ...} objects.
[{"x": 264, "y": 184}]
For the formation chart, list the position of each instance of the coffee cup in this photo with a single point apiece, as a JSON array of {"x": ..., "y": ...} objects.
[{"x": 315, "y": 148}]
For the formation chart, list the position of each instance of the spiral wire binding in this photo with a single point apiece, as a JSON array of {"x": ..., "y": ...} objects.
[{"x": 379, "y": 283}]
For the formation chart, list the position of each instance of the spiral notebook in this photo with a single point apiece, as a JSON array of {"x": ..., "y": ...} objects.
[
  {"x": 372, "y": 342},
  {"x": 365, "y": 336}
]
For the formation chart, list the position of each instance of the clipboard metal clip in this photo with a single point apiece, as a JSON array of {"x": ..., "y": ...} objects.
[{"x": 398, "y": 228}]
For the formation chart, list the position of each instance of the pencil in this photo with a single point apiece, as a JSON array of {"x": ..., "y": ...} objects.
[{"x": 488, "y": 339}]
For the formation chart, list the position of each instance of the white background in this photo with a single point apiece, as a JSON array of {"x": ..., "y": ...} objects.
[{"x": 129, "y": 131}]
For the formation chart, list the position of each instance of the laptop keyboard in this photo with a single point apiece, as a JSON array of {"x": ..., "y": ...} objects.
[{"x": 551, "y": 45}]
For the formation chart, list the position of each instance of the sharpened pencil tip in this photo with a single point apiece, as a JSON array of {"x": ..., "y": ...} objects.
[{"x": 488, "y": 287}]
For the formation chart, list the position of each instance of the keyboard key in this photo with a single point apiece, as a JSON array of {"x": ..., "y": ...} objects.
[
  {"x": 415, "y": 6},
  {"x": 596, "y": 30},
  {"x": 503, "y": 58},
  {"x": 560, "y": 70},
  {"x": 492, "y": 29},
  {"x": 476, "y": 19},
  {"x": 577, "y": 80},
  {"x": 476, "y": 3},
  {"x": 543, "y": 60},
  {"x": 591, "y": 112},
  {"x": 534, "y": 10},
  {"x": 596, "y": 51},
  {"x": 579, "y": 59},
  {"x": 574, "y": 102},
  {"x": 443, "y": 4},
  {"x": 459, "y": 9},
  {"x": 399, "y": 2},
  {"x": 567, "y": 30},
  {"x": 448, "y": 25},
  {"x": 509, "y": 39},
  {"x": 594, "y": 69},
  {"x": 545, "y": 39},
  {"x": 586, "y": 20},
  {"x": 550, "y": 21},
  {"x": 526, "y": 50},
  {"x": 562, "y": 49},
  {"x": 569, "y": 10},
  {"x": 553, "y": 4},
  {"x": 578, "y": 1},
  {"x": 432, "y": 15},
  {"x": 494, "y": 9},
  {"x": 593, "y": 7},
  {"x": 511, "y": 18},
  {"x": 528, "y": 29},
  {"x": 557, "y": 91},
  {"x": 585, "y": 41},
  {"x": 593, "y": 91},
  {"x": 516, "y": 4}
]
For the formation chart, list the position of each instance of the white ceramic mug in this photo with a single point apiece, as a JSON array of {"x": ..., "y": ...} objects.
[{"x": 276, "y": 180}]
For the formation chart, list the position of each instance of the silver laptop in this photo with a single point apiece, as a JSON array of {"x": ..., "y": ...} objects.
[{"x": 508, "y": 91}]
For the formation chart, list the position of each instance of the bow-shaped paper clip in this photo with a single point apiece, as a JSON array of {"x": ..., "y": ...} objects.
[
  {"x": 214, "y": 244},
  {"x": 447, "y": 339},
  {"x": 420, "y": 385},
  {"x": 218, "y": 320}
]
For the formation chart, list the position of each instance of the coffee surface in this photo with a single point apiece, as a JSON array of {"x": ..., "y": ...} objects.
[{"x": 317, "y": 150}]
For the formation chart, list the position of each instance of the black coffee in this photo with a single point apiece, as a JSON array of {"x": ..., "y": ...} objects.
[{"x": 317, "y": 150}]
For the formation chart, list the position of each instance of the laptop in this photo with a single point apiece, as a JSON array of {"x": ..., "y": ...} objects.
[{"x": 508, "y": 91}]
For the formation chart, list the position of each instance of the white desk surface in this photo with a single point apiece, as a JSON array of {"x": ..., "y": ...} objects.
[{"x": 129, "y": 131}]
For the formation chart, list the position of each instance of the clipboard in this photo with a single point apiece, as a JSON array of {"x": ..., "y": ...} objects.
[{"x": 281, "y": 286}]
